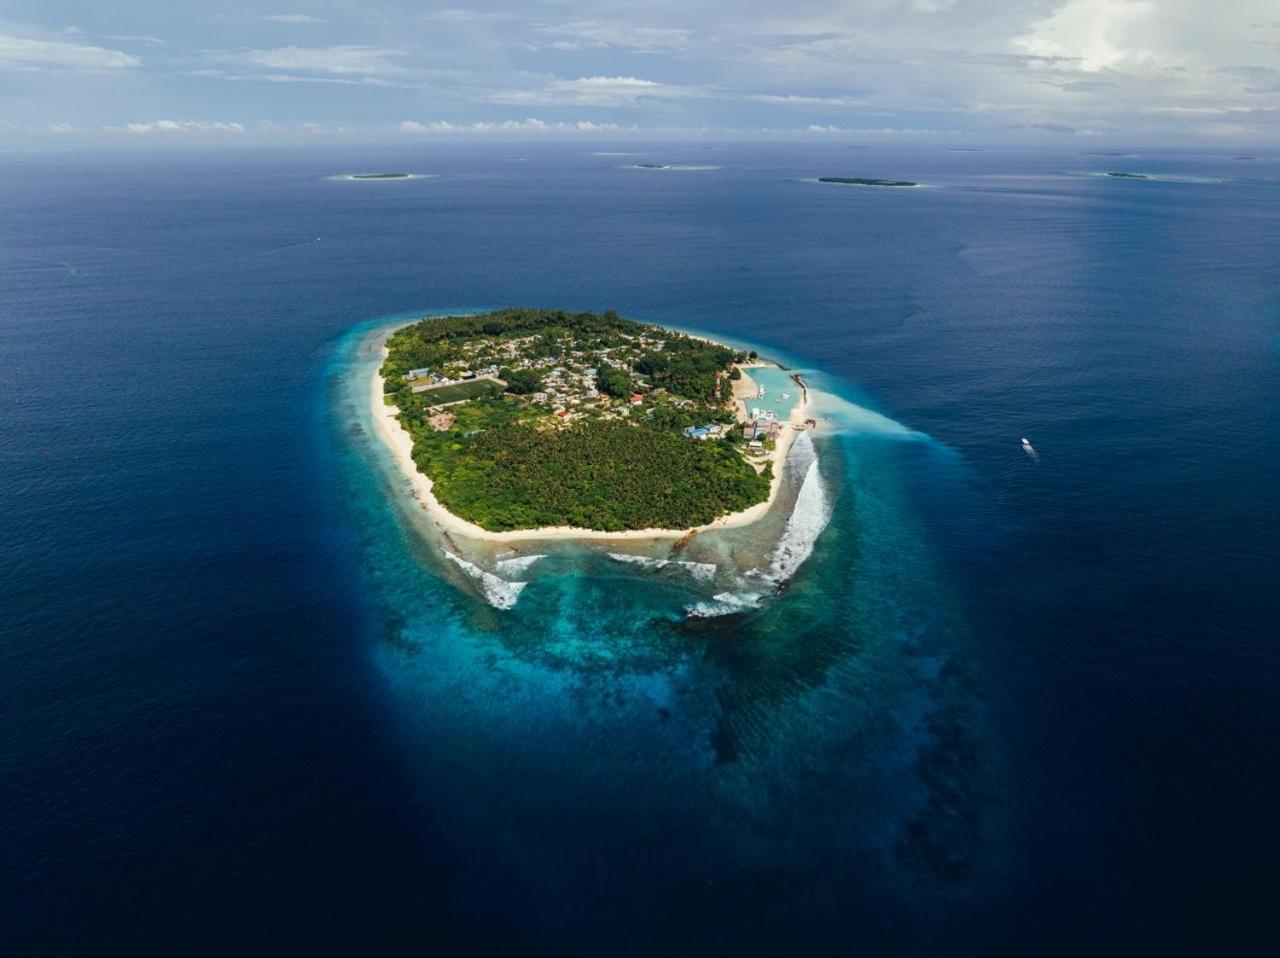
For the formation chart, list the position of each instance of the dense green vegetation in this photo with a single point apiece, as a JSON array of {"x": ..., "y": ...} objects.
[
  {"x": 608, "y": 475},
  {"x": 614, "y": 382},
  {"x": 864, "y": 181},
  {"x": 521, "y": 381},
  {"x": 518, "y": 460}
]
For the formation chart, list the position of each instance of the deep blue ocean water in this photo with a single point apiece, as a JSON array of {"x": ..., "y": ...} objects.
[{"x": 1007, "y": 707}]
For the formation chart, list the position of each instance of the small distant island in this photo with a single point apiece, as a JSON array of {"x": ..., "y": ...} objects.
[
  {"x": 652, "y": 166},
  {"x": 381, "y": 176},
  {"x": 1128, "y": 176},
  {"x": 864, "y": 181},
  {"x": 536, "y": 421}
]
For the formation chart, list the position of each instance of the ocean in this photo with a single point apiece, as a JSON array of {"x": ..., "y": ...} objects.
[{"x": 1007, "y": 705}]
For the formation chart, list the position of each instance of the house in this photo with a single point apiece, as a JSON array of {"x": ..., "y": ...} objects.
[
  {"x": 755, "y": 445},
  {"x": 636, "y": 400},
  {"x": 413, "y": 374}
]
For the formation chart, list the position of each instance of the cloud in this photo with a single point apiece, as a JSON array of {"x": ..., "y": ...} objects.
[
  {"x": 1096, "y": 33},
  {"x": 179, "y": 126},
  {"x": 603, "y": 91},
  {"x": 528, "y": 125},
  {"x": 343, "y": 60},
  {"x": 1152, "y": 71},
  {"x": 579, "y": 34},
  {"x": 456, "y": 15},
  {"x": 23, "y": 53},
  {"x": 305, "y": 129},
  {"x": 794, "y": 100},
  {"x": 873, "y": 131}
]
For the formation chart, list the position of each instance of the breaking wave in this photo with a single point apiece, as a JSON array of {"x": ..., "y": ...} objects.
[
  {"x": 725, "y": 603},
  {"x": 810, "y": 516},
  {"x": 498, "y": 592},
  {"x": 516, "y": 566},
  {"x": 642, "y": 561},
  {"x": 701, "y": 571}
]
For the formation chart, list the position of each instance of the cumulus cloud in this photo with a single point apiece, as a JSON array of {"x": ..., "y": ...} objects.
[
  {"x": 180, "y": 126},
  {"x": 458, "y": 15},
  {"x": 592, "y": 91},
  {"x": 528, "y": 125},
  {"x": 828, "y": 129},
  {"x": 25, "y": 53},
  {"x": 343, "y": 60},
  {"x": 803, "y": 101},
  {"x": 1138, "y": 70},
  {"x": 580, "y": 34}
]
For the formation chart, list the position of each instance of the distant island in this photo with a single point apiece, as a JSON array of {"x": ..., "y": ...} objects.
[
  {"x": 652, "y": 166},
  {"x": 1128, "y": 176},
  {"x": 864, "y": 181},
  {"x": 532, "y": 422},
  {"x": 381, "y": 176}
]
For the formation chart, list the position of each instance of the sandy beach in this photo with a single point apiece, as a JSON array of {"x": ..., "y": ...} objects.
[{"x": 400, "y": 443}]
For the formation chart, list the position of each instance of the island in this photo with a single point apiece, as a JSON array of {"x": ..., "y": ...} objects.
[
  {"x": 864, "y": 181},
  {"x": 381, "y": 176},
  {"x": 652, "y": 166},
  {"x": 1128, "y": 176},
  {"x": 528, "y": 423}
]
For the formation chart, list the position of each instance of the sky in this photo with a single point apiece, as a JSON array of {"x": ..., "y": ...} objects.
[{"x": 1062, "y": 72}]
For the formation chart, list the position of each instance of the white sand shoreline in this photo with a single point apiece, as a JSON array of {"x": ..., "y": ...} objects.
[{"x": 398, "y": 440}]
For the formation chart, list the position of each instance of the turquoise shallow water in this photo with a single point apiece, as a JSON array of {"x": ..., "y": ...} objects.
[
  {"x": 595, "y": 753},
  {"x": 781, "y": 392}
]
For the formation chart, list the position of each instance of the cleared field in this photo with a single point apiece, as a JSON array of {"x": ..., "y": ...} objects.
[{"x": 456, "y": 392}]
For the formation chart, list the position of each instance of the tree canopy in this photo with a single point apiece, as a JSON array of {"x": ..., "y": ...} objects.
[{"x": 503, "y": 462}]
